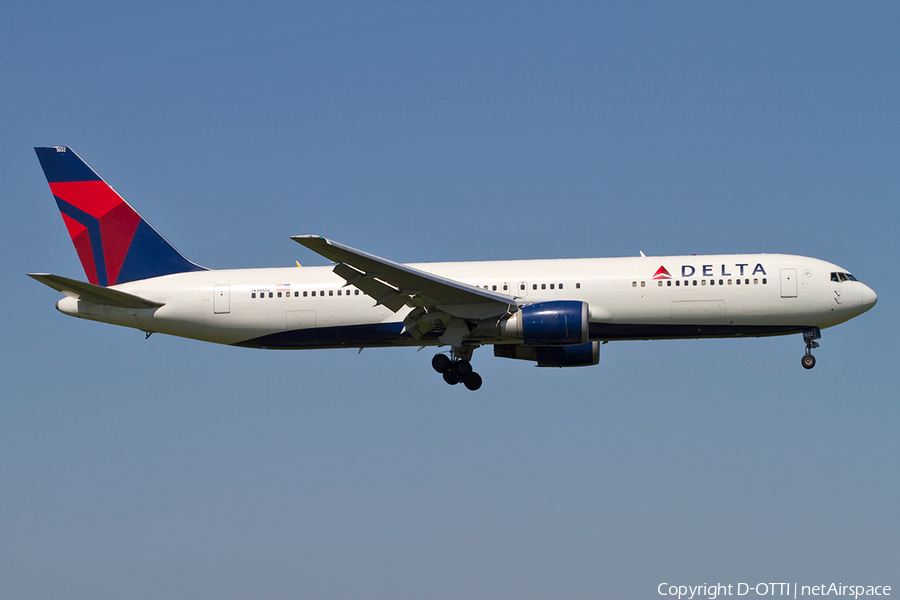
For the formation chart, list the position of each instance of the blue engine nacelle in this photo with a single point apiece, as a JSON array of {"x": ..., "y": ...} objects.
[
  {"x": 559, "y": 323},
  {"x": 580, "y": 355}
]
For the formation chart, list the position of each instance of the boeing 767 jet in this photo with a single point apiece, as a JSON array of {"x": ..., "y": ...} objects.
[{"x": 555, "y": 313}]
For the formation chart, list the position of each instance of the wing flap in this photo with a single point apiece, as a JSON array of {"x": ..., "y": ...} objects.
[
  {"x": 395, "y": 285},
  {"x": 383, "y": 293},
  {"x": 93, "y": 293}
]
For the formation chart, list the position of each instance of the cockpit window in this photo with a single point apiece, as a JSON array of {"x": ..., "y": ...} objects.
[{"x": 842, "y": 277}]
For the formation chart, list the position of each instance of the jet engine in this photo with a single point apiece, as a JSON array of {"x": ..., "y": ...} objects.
[{"x": 556, "y": 323}]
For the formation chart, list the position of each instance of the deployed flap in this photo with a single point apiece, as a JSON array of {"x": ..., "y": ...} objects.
[
  {"x": 395, "y": 285},
  {"x": 93, "y": 293}
]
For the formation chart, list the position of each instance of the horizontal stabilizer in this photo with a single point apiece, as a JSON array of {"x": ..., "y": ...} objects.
[{"x": 93, "y": 293}]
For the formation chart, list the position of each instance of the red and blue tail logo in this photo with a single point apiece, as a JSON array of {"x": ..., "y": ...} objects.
[{"x": 115, "y": 244}]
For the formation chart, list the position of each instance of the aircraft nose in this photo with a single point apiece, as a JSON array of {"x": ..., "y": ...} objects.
[{"x": 869, "y": 298}]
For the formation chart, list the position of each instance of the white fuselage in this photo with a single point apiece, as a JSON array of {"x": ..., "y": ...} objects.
[{"x": 629, "y": 298}]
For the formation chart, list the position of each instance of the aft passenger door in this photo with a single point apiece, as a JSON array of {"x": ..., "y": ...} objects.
[{"x": 221, "y": 299}]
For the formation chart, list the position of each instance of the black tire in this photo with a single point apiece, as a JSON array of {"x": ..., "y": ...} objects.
[
  {"x": 441, "y": 363},
  {"x": 462, "y": 368},
  {"x": 472, "y": 381},
  {"x": 451, "y": 377},
  {"x": 808, "y": 361}
]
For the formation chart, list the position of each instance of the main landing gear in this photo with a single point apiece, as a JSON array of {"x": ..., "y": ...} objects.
[
  {"x": 457, "y": 370},
  {"x": 809, "y": 336}
]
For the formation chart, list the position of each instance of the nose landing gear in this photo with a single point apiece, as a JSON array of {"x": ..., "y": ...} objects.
[
  {"x": 456, "y": 370},
  {"x": 809, "y": 336}
]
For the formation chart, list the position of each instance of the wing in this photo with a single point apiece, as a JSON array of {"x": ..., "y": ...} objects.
[
  {"x": 93, "y": 293},
  {"x": 395, "y": 285}
]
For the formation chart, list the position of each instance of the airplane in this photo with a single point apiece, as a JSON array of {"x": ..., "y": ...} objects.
[{"x": 555, "y": 313}]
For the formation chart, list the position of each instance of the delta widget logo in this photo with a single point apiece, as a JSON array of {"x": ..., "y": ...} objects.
[{"x": 736, "y": 269}]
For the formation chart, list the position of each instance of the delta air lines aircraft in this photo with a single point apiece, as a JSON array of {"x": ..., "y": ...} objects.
[{"x": 555, "y": 313}]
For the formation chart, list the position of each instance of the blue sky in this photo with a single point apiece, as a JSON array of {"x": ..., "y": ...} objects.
[{"x": 450, "y": 131}]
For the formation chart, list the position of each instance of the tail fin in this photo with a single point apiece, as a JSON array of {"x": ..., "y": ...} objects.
[{"x": 115, "y": 244}]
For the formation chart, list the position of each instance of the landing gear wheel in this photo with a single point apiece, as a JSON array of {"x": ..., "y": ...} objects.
[
  {"x": 810, "y": 336},
  {"x": 451, "y": 377},
  {"x": 472, "y": 381},
  {"x": 441, "y": 363},
  {"x": 462, "y": 367}
]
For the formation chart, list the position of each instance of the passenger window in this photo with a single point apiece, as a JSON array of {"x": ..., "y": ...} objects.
[
  {"x": 270, "y": 294},
  {"x": 551, "y": 286},
  {"x": 720, "y": 282},
  {"x": 577, "y": 286},
  {"x": 668, "y": 283},
  {"x": 253, "y": 295},
  {"x": 764, "y": 281},
  {"x": 493, "y": 288},
  {"x": 331, "y": 292},
  {"x": 304, "y": 294},
  {"x": 634, "y": 284},
  {"x": 505, "y": 287},
  {"x": 356, "y": 292},
  {"x": 755, "y": 281},
  {"x": 677, "y": 283},
  {"x": 534, "y": 286},
  {"x": 522, "y": 287},
  {"x": 643, "y": 284},
  {"x": 660, "y": 283},
  {"x": 560, "y": 286},
  {"x": 702, "y": 282},
  {"x": 695, "y": 283},
  {"x": 314, "y": 293}
]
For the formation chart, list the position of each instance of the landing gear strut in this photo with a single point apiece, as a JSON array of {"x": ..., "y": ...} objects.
[
  {"x": 456, "y": 370},
  {"x": 809, "y": 336}
]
